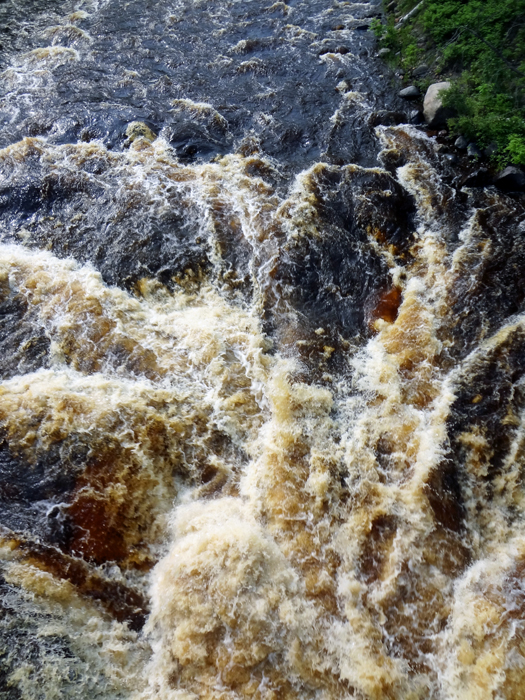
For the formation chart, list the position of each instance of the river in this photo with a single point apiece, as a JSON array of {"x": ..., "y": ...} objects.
[{"x": 262, "y": 357}]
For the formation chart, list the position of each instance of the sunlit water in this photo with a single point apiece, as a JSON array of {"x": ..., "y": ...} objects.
[{"x": 262, "y": 399}]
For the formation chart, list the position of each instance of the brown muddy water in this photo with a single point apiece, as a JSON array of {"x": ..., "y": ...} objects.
[{"x": 262, "y": 409}]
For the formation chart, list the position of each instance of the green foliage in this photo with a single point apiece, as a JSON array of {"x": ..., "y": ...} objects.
[
  {"x": 486, "y": 115},
  {"x": 516, "y": 149},
  {"x": 411, "y": 55},
  {"x": 378, "y": 28},
  {"x": 387, "y": 34},
  {"x": 480, "y": 46}
]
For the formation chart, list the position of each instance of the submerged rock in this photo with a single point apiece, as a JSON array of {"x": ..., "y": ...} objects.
[
  {"x": 436, "y": 114},
  {"x": 139, "y": 130}
]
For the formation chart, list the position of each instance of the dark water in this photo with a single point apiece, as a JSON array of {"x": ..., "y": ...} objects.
[{"x": 262, "y": 367}]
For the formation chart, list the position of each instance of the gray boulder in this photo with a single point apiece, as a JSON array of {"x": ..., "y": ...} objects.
[
  {"x": 473, "y": 151},
  {"x": 510, "y": 180},
  {"x": 491, "y": 150},
  {"x": 436, "y": 114},
  {"x": 420, "y": 71},
  {"x": 461, "y": 143},
  {"x": 478, "y": 178},
  {"x": 410, "y": 93}
]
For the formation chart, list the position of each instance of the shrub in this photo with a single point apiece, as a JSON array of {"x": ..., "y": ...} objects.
[{"x": 480, "y": 46}]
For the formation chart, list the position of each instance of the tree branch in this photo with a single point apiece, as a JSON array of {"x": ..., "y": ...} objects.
[{"x": 410, "y": 14}]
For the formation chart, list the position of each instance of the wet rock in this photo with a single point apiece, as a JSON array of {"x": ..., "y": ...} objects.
[
  {"x": 392, "y": 159},
  {"x": 485, "y": 396},
  {"x": 436, "y": 114},
  {"x": 122, "y": 602},
  {"x": 450, "y": 158},
  {"x": 139, "y": 130},
  {"x": 383, "y": 52},
  {"x": 511, "y": 179},
  {"x": 479, "y": 178},
  {"x": 28, "y": 491},
  {"x": 385, "y": 117},
  {"x": 338, "y": 49},
  {"x": 499, "y": 234},
  {"x": 410, "y": 93},
  {"x": 197, "y": 131},
  {"x": 416, "y": 117},
  {"x": 461, "y": 143},
  {"x": 420, "y": 71},
  {"x": 192, "y": 141},
  {"x": 350, "y": 140},
  {"x": 446, "y": 498},
  {"x": 137, "y": 241},
  {"x": 473, "y": 151},
  {"x": 329, "y": 279}
]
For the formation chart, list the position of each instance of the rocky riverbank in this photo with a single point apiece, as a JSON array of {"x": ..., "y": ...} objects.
[{"x": 478, "y": 50}]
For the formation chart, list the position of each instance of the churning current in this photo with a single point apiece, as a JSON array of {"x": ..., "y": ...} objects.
[{"x": 262, "y": 357}]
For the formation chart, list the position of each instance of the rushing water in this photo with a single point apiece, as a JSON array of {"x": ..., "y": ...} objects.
[{"x": 262, "y": 410}]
